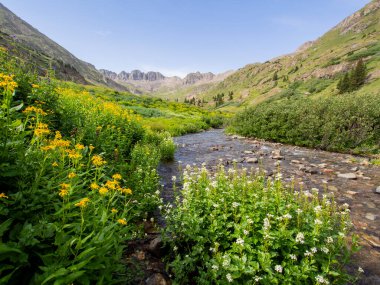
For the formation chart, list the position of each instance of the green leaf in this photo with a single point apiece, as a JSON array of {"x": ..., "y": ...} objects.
[
  {"x": 60, "y": 272},
  {"x": 4, "y": 226}
]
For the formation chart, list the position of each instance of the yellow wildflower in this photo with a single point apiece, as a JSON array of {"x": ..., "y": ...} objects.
[
  {"x": 6, "y": 81},
  {"x": 73, "y": 154},
  {"x": 126, "y": 191},
  {"x": 79, "y": 146},
  {"x": 2, "y": 195},
  {"x": 112, "y": 185},
  {"x": 47, "y": 147},
  {"x": 54, "y": 164},
  {"x": 97, "y": 160},
  {"x": 35, "y": 86},
  {"x": 64, "y": 185},
  {"x": 114, "y": 211},
  {"x": 35, "y": 110},
  {"x": 41, "y": 129},
  {"x": 83, "y": 203},
  {"x": 122, "y": 221},
  {"x": 91, "y": 147},
  {"x": 58, "y": 135},
  {"x": 94, "y": 186},
  {"x": 103, "y": 191},
  {"x": 71, "y": 175},
  {"x": 116, "y": 176},
  {"x": 63, "y": 192}
]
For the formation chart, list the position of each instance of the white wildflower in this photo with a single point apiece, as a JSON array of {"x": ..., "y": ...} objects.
[
  {"x": 321, "y": 280},
  {"x": 240, "y": 241},
  {"x": 250, "y": 221},
  {"x": 360, "y": 270},
  {"x": 229, "y": 277},
  {"x": 287, "y": 216},
  {"x": 317, "y": 222},
  {"x": 300, "y": 238},
  {"x": 174, "y": 178},
  {"x": 329, "y": 240},
  {"x": 266, "y": 224},
  {"x": 258, "y": 278},
  {"x": 313, "y": 249},
  {"x": 317, "y": 209},
  {"x": 325, "y": 249},
  {"x": 293, "y": 257},
  {"x": 235, "y": 204},
  {"x": 278, "y": 268},
  {"x": 215, "y": 267},
  {"x": 246, "y": 232}
]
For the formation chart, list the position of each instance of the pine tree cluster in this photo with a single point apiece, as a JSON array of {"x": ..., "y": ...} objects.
[{"x": 353, "y": 79}]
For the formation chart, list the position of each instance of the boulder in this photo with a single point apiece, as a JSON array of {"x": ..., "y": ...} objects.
[
  {"x": 251, "y": 160},
  {"x": 157, "y": 279},
  {"x": 347, "y": 175}
]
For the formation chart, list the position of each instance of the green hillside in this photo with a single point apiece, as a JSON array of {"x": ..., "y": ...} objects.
[{"x": 314, "y": 69}]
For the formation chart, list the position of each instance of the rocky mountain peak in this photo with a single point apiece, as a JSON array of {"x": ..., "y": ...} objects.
[
  {"x": 194, "y": 77},
  {"x": 354, "y": 23}
]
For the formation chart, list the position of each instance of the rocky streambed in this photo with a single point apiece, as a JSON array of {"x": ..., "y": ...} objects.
[{"x": 352, "y": 179}]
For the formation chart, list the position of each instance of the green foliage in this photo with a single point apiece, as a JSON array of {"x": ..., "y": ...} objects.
[
  {"x": 372, "y": 50},
  {"x": 77, "y": 176},
  {"x": 246, "y": 229},
  {"x": 340, "y": 123}
]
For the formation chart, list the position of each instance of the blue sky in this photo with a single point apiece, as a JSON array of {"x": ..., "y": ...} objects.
[{"x": 181, "y": 36}]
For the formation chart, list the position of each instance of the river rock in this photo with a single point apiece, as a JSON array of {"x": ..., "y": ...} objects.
[
  {"x": 248, "y": 152},
  {"x": 157, "y": 279},
  {"x": 311, "y": 170},
  {"x": 364, "y": 162},
  {"x": 355, "y": 168},
  {"x": 377, "y": 190},
  {"x": 155, "y": 246},
  {"x": 352, "y": 193},
  {"x": 370, "y": 216},
  {"x": 332, "y": 188},
  {"x": 347, "y": 175},
  {"x": 322, "y": 165},
  {"x": 295, "y": 161},
  {"x": 251, "y": 160}
]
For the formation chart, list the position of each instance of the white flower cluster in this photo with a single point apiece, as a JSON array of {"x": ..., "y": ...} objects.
[
  {"x": 300, "y": 238},
  {"x": 321, "y": 280}
]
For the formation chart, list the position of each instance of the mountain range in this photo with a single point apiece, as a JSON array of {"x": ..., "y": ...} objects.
[
  {"x": 154, "y": 82},
  {"x": 314, "y": 69}
]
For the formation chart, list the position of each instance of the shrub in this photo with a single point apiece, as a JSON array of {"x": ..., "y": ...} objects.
[
  {"x": 340, "y": 123},
  {"x": 246, "y": 229}
]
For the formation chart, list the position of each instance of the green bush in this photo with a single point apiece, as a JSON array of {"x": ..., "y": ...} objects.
[
  {"x": 340, "y": 123},
  {"x": 244, "y": 229}
]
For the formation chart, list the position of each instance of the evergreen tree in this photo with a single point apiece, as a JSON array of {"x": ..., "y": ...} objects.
[
  {"x": 344, "y": 84},
  {"x": 358, "y": 75}
]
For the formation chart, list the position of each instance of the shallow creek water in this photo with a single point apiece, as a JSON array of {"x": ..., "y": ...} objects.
[{"x": 312, "y": 168}]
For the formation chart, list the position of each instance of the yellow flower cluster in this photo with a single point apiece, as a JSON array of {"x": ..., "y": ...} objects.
[
  {"x": 122, "y": 221},
  {"x": 41, "y": 129},
  {"x": 97, "y": 160},
  {"x": 71, "y": 175},
  {"x": 2, "y": 195},
  {"x": 73, "y": 154},
  {"x": 34, "y": 110},
  {"x": 83, "y": 203},
  {"x": 6, "y": 82},
  {"x": 64, "y": 191}
]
